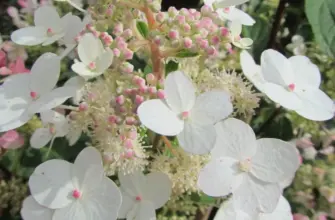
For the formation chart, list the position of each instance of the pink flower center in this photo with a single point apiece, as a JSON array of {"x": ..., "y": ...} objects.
[
  {"x": 76, "y": 194},
  {"x": 52, "y": 130},
  {"x": 33, "y": 95},
  {"x": 92, "y": 65},
  {"x": 185, "y": 115},
  {"x": 291, "y": 87},
  {"x": 227, "y": 10},
  {"x": 138, "y": 198}
]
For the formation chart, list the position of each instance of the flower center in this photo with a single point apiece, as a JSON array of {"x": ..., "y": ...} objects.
[
  {"x": 291, "y": 87},
  {"x": 226, "y": 10},
  {"x": 138, "y": 198},
  {"x": 33, "y": 95},
  {"x": 92, "y": 65},
  {"x": 52, "y": 129},
  {"x": 50, "y": 32},
  {"x": 76, "y": 194},
  {"x": 245, "y": 165},
  {"x": 185, "y": 115}
]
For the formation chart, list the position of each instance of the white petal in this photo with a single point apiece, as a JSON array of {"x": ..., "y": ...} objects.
[
  {"x": 306, "y": 73},
  {"x": 211, "y": 107},
  {"x": 78, "y": 82},
  {"x": 218, "y": 177},
  {"x": 146, "y": 211},
  {"x": 282, "y": 96},
  {"x": 47, "y": 17},
  {"x": 15, "y": 123},
  {"x": 89, "y": 48},
  {"x": 180, "y": 92},
  {"x": 51, "y": 185},
  {"x": 128, "y": 202},
  {"x": 235, "y": 139},
  {"x": 251, "y": 70},
  {"x": 45, "y": 73},
  {"x": 87, "y": 165},
  {"x": 157, "y": 189},
  {"x": 237, "y": 15},
  {"x": 40, "y": 138},
  {"x": 29, "y": 36},
  {"x": 276, "y": 68},
  {"x": 197, "y": 139},
  {"x": 133, "y": 183},
  {"x": 281, "y": 212},
  {"x": 267, "y": 194},
  {"x": 316, "y": 105},
  {"x": 228, "y": 3},
  {"x": 52, "y": 39},
  {"x": 75, "y": 210},
  {"x": 235, "y": 28},
  {"x": 156, "y": 115},
  {"x": 275, "y": 160},
  {"x": 51, "y": 100},
  {"x": 73, "y": 26},
  {"x": 31, "y": 210},
  {"x": 51, "y": 116},
  {"x": 227, "y": 211},
  {"x": 73, "y": 135},
  {"x": 81, "y": 69},
  {"x": 61, "y": 128},
  {"x": 104, "y": 61}
]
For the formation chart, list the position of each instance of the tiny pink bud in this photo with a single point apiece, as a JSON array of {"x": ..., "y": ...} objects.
[
  {"x": 185, "y": 115},
  {"x": 173, "y": 34},
  {"x": 128, "y": 143},
  {"x": 139, "y": 81},
  {"x": 139, "y": 99},
  {"x": 118, "y": 29},
  {"x": 151, "y": 79},
  {"x": 127, "y": 91},
  {"x": 158, "y": 40},
  {"x": 203, "y": 43},
  {"x": 120, "y": 100},
  {"x": 116, "y": 52},
  {"x": 92, "y": 65},
  {"x": 152, "y": 90},
  {"x": 161, "y": 94},
  {"x": 83, "y": 106},
  {"x": 224, "y": 31},
  {"x": 160, "y": 17},
  {"x": 128, "y": 33},
  {"x": 96, "y": 33},
  {"x": 215, "y": 40},
  {"x": 130, "y": 121},
  {"x": 112, "y": 119},
  {"x": 187, "y": 27},
  {"x": 188, "y": 42},
  {"x": 211, "y": 51},
  {"x": 128, "y": 54},
  {"x": 122, "y": 45},
  {"x": 122, "y": 109},
  {"x": 129, "y": 154},
  {"x": 138, "y": 198},
  {"x": 181, "y": 19}
]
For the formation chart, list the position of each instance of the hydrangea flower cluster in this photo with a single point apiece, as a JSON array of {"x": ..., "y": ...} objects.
[{"x": 173, "y": 119}]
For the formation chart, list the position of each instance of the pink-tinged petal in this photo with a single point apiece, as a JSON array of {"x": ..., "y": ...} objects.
[
  {"x": 104, "y": 61},
  {"x": 51, "y": 185},
  {"x": 211, "y": 107},
  {"x": 45, "y": 73},
  {"x": 219, "y": 177},
  {"x": 180, "y": 92},
  {"x": 29, "y": 36},
  {"x": 306, "y": 74},
  {"x": 156, "y": 115},
  {"x": 316, "y": 105},
  {"x": 197, "y": 139},
  {"x": 275, "y": 160},
  {"x": 157, "y": 189},
  {"x": 276, "y": 68},
  {"x": 282, "y": 96},
  {"x": 235, "y": 139},
  {"x": 31, "y": 210},
  {"x": 40, "y": 138}
]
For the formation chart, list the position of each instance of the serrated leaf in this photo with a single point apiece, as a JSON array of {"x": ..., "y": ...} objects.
[
  {"x": 186, "y": 53},
  {"x": 142, "y": 27},
  {"x": 321, "y": 15}
]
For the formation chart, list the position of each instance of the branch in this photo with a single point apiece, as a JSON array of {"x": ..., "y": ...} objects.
[{"x": 276, "y": 23}]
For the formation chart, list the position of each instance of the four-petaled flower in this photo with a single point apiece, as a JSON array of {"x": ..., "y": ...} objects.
[
  {"x": 251, "y": 170},
  {"x": 61, "y": 190},
  {"x": 183, "y": 114},
  {"x": 141, "y": 194}
]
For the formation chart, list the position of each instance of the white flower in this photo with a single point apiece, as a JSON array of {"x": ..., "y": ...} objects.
[
  {"x": 281, "y": 212},
  {"x": 94, "y": 58},
  {"x": 143, "y": 194},
  {"x": 297, "y": 46},
  {"x": 79, "y": 83},
  {"x": 49, "y": 28},
  {"x": 293, "y": 83},
  {"x": 23, "y": 95},
  {"x": 183, "y": 114},
  {"x": 72, "y": 191},
  {"x": 250, "y": 169},
  {"x": 55, "y": 125},
  {"x": 227, "y": 11},
  {"x": 235, "y": 35}
]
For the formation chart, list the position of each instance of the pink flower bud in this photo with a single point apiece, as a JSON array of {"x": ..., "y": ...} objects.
[
  {"x": 215, "y": 40},
  {"x": 127, "y": 91},
  {"x": 173, "y": 34},
  {"x": 128, "y": 33},
  {"x": 172, "y": 11},
  {"x": 181, "y": 19},
  {"x": 130, "y": 121},
  {"x": 187, "y": 27},
  {"x": 158, "y": 40},
  {"x": 128, "y": 144},
  {"x": 116, "y": 52},
  {"x": 151, "y": 79},
  {"x": 188, "y": 42},
  {"x": 152, "y": 90},
  {"x": 161, "y": 94},
  {"x": 212, "y": 51},
  {"x": 129, "y": 154},
  {"x": 203, "y": 43},
  {"x": 122, "y": 45},
  {"x": 139, "y": 81},
  {"x": 224, "y": 31},
  {"x": 96, "y": 33},
  {"x": 160, "y": 17},
  {"x": 120, "y": 100},
  {"x": 127, "y": 68},
  {"x": 128, "y": 54},
  {"x": 118, "y": 29},
  {"x": 83, "y": 106},
  {"x": 205, "y": 9},
  {"x": 139, "y": 99}
]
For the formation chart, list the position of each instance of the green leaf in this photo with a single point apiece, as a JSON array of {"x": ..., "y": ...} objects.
[
  {"x": 142, "y": 27},
  {"x": 259, "y": 33},
  {"x": 186, "y": 53},
  {"x": 147, "y": 70},
  {"x": 321, "y": 15},
  {"x": 170, "y": 67}
]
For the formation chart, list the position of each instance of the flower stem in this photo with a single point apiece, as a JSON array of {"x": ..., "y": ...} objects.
[
  {"x": 276, "y": 23},
  {"x": 169, "y": 145}
]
